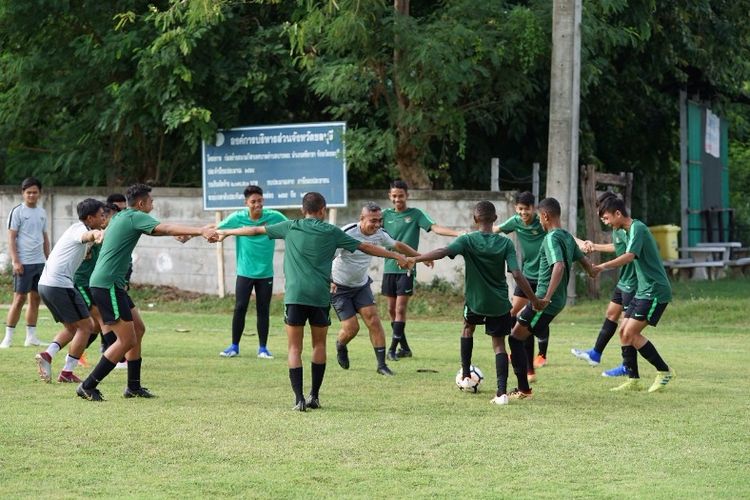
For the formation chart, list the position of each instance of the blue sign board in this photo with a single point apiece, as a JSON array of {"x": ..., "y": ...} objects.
[{"x": 286, "y": 161}]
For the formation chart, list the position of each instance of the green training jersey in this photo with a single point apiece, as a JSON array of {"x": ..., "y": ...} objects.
[
  {"x": 558, "y": 246},
  {"x": 404, "y": 227},
  {"x": 122, "y": 235},
  {"x": 652, "y": 279},
  {"x": 628, "y": 280},
  {"x": 83, "y": 273},
  {"x": 310, "y": 248},
  {"x": 486, "y": 256},
  {"x": 530, "y": 237},
  {"x": 254, "y": 253}
]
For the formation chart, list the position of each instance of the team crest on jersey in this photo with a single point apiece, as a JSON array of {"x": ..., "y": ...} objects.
[
  {"x": 534, "y": 232},
  {"x": 407, "y": 219}
]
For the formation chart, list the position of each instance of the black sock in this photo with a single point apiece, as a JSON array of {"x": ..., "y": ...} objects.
[
  {"x": 518, "y": 360},
  {"x": 605, "y": 335},
  {"x": 398, "y": 331},
  {"x": 403, "y": 342},
  {"x": 134, "y": 374},
  {"x": 630, "y": 361},
  {"x": 528, "y": 345},
  {"x": 295, "y": 377},
  {"x": 380, "y": 356},
  {"x": 467, "y": 346},
  {"x": 108, "y": 339},
  {"x": 649, "y": 352},
  {"x": 92, "y": 338},
  {"x": 543, "y": 341},
  {"x": 318, "y": 371},
  {"x": 101, "y": 370},
  {"x": 501, "y": 370},
  {"x": 513, "y": 320}
]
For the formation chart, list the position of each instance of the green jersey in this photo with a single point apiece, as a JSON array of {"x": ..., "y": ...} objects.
[
  {"x": 486, "y": 256},
  {"x": 649, "y": 269},
  {"x": 530, "y": 237},
  {"x": 254, "y": 253},
  {"x": 122, "y": 235},
  {"x": 628, "y": 280},
  {"x": 558, "y": 246},
  {"x": 310, "y": 248},
  {"x": 83, "y": 273},
  {"x": 404, "y": 227}
]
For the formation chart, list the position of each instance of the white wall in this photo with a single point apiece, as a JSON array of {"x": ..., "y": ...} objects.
[{"x": 194, "y": 265}]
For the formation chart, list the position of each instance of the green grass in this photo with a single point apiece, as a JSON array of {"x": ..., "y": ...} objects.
[{"x": 223, "y": 427}]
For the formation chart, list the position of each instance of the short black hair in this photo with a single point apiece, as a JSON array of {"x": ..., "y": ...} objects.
[
  {"x": 550, "y": 206},
  {"x": 611, "y": 205},
  {"x": 485, "y": 211},
  {"x": 399, "y": 184},
  {"x": 371, "y": 206},
  {"x": 525, "y": 198},
  {"x": 602, "y": 197},
  {"x": 136, "y": 192},
  {"x": 313, "y": 202},
  {"x": 116, "y": 198},
  {"x": 87, "y": 207},
  {"x": 252, "y": 189},
  {"x": 111, "y": 208},
  {"x": 30, "y": 181}
]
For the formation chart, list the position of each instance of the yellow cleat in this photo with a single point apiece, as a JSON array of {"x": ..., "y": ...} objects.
[
  {"x": 633, "y": 384},
  {"x": 662, "y": 379}
]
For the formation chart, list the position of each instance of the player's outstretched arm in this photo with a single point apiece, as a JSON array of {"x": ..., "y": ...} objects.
[
  {"x": 525, "y": 286},
  {"x": 405, "y": 249},
  {"x": 620, "y": 261},
  {"x": 183, "y": 230},
  {"x": 378, "y": 251},
  {"x": 243, "y": 231},
  {"x": 558, "y": 270},
  {"x": 444, "y": 231},
  {"x": 590, "y": 269},
  {"x": 92, "y": 236}
]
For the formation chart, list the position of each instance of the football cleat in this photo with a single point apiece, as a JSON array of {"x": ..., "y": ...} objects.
[
  {"x": 7, "y": 341},
  {"x": 540, "y": 360},
  {"x": 531, "y": 377},
  {"x": 384, "y": 370},
  {"x": 404, "y": 353},
  {"x": 662, "y": 379},
  {"x": 263, "y": 353},
  {"x": 519, "y": 394},
  {"x": 32, "y": 340},
  {"x": 591, "y": 356},
  {"x": 83, "y": 361},
  {"x": 230, "y": 352},
  {"x": 342, "y": 355},
  {"x": 500, "y": 400},
  {"x": 392, "y": 356},
  {"x": 89, "y": 394},
  {"x": 141, "y": 392},
  {"x": 633, "y": 384},
  {"x": 68, "y": 378},
  {"x": 617, "y": 371},
  {"x": 300, "y": 406},
  {"x": 44, "y": 366},
  {"x": 312, "y": 403}
]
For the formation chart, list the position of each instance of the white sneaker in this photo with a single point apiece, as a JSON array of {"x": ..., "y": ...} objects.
[
  {"x": 264, "y": 354},
  {"x": 121, "y": 365},
  {"x": 33, "y": 341},
  {"x": 500, "y": 400},
  {"x": 6, "y": 342}
]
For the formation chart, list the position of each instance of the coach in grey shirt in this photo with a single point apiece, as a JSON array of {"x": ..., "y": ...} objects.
[{"x": 350, "y": 287}]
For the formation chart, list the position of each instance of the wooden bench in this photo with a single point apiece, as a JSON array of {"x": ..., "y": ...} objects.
[
  {"x": 740, "y": 267},
  {"x": 686, "y": 268}
]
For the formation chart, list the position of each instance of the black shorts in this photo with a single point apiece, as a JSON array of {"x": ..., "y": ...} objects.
[
  {"x": 114, "y": 304},
  {"x": 347, "y": 301},
  {"x": 622, "y": 298},
  {"x": 395, "y": 284},
  {"x": 535, "y": 321},
  {"x": 299, "y": 314},
  {"x": 29, "y": 280},
  {"x": 646, "y": 310},
  {"x": 65, "y": 304},
  {"x": 494, "y": 326},
  {"x": 517, "y": 292},
  {"x": 86, "y": 294}
]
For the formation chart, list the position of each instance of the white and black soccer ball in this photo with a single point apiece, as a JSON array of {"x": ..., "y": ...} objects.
[{"x": 470, "y": 384}]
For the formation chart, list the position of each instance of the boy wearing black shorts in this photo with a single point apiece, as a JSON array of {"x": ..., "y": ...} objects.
[
  {"x": 558, "y": 252},
  {"x": 651, "y": 297},
  {"x": 311, "y": 245},
  {"x": 108, "y": 289},
  {"x": 486, "y": 256}
]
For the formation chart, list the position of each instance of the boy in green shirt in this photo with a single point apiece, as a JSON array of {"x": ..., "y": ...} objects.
[
  {"x": 108, "y": 289},
  {"x": 403, "y": 224},
  {"x": 311, "y": 245},
  {"x": 559, "y": 251},
  {"x": 486, "y": 256},
  {"x": 651, "y": 297},
  {"x": 254, "y": 270}
]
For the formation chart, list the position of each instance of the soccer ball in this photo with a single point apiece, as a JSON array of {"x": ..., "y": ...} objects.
[{"x": 472, "y": 383}]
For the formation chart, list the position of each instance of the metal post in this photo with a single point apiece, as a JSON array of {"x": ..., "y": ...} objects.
[
  {"x": 684, "y": 216},
  {"x": 495, "y": 174},
  {"x": 535, "y": 180},
  {"x": 220, "y": 262}
]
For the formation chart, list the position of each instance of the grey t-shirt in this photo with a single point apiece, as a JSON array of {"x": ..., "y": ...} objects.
[
  {"x": 350, "y": 268},
  {"x": 30, "y": 224},
  {"x": 65, "y": 258}
]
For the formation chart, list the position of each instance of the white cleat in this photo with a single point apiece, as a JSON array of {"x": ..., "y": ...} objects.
[{"x": 500, "y": 400}]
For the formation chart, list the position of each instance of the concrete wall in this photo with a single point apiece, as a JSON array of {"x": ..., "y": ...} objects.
[{"x": 195, "y": 265}]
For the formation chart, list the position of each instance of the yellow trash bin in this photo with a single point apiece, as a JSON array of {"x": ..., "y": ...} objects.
[{"x": 666, "y": 240}]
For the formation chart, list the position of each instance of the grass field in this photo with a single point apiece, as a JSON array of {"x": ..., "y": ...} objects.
[{"x": 223, "y": 427}]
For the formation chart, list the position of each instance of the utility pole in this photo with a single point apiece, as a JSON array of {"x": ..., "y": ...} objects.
[{"x": 564, "y": 107}]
